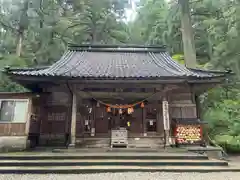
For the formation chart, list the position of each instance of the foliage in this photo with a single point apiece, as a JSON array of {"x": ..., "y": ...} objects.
[
  {"x": 230, "y": 143},
  {"x": 47, "y": 26},
  {"x": 224, "y": 118},
  {"x": 51, "y": 25},
  {"x": 179, "y": 58}
]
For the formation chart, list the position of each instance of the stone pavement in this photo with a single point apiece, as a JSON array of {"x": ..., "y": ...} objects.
[{"x": 127, "y": 176}]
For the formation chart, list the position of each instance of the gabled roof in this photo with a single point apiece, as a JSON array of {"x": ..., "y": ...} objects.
[{"x": 113, "y": 62}]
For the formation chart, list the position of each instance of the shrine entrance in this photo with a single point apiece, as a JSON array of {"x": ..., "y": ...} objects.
[
  {"x": 120, "y": 130},
  {"x": 120, "y": 124},
  {"x": 121, "y": 121}
]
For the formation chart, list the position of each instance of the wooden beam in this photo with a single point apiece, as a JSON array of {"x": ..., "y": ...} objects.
[
  {"x": 115, "y": 95},
  {"x": 128, "y": 95},
  {"x": 50, "y": 79},
  {"x": 120, "y": 85},
  {"x": 117, "y": 83},
  {"x": 198, "y": 106},
  {"x": 182, "y": 105}
]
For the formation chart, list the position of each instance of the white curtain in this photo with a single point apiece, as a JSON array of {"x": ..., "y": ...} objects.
[{"x": 20, "y": 112}]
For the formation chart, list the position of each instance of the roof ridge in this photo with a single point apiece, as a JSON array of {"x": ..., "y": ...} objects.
[
  {"x": 8, "y": 68},
  {"x": 117, "y": 48},
  {"x": 210, "y": 71}
]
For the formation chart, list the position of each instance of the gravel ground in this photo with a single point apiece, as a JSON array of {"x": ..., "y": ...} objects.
[{"x": 127, "y": 176}]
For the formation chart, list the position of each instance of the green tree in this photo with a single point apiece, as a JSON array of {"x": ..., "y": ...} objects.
[{"x": 37, "y": 32}]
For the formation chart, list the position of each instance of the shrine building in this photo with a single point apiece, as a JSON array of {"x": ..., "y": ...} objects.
[{"x": 107, "y": 96}]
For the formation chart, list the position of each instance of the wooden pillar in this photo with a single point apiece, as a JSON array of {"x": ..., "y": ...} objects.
[
  {"x": 73, "y": 120},
  {"x": 166, "y": 122},
  {"x": 29, "y": 114},
  {"x": 144, "y": 121},
  {"x": 198, "y": 106},
  {"x": 93, "y": 119}
]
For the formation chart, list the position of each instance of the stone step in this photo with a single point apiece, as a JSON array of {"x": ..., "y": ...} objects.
[
  {"x": 145, "y": 142},
  {"x": 104, "y": 169},
  {"x": 93, "y": 142},
  {"x": 147, "y": 150},
  {"x": 102, "y": 155},
  {"x": 112, "y": 162},
  {"x": 79, "y": 149}
]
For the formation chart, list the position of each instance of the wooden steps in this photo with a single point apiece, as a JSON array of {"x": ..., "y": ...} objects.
[
  {"x": 103, "y": 156},
  {"x": 104, "y": 169},
  {"x": 111, "y": 162},
  {"x": 93, "y": 162}
]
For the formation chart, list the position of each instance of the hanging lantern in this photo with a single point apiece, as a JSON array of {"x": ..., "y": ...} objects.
[
  {"x": 120, "y": 111},
  {"x": 142, "y": 105},
  {"x": 130, "y": 110},
  {"x": 108, "y": 109},
  {"x": 98, "y": 105}
]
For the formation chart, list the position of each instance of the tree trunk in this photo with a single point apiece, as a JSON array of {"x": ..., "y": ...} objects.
[
  {"x": 187, "y": 35},
  {"x": 19, "y": 43},
  {"x": 23, "y": 24},
  {"x": 41, "y": 15}
]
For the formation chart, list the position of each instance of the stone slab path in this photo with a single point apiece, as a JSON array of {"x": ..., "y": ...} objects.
[{"x": 127, "y": 176}]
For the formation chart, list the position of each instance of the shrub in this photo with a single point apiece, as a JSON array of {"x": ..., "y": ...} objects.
[{"x": 231, "y": 144}]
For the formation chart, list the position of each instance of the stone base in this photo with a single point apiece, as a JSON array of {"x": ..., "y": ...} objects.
[
  {"x": 71, "y": 146},
  {"x": 13, "y": 143}
]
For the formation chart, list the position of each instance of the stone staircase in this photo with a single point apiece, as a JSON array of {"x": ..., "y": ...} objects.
[
  {"x": 145, "y": 143},
  {"x": 96, "y": 162}
]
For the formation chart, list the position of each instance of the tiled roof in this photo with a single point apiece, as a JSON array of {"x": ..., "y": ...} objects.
[{"x": 115, "y": 62}]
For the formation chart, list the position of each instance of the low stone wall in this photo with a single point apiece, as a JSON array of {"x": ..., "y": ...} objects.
[{"x": 13, "y": 143}]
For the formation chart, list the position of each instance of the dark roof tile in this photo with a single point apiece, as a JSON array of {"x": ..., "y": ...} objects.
[{"x": 115, "y": 62}]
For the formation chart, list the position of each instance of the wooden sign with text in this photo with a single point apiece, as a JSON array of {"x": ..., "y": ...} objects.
[{"x": 165, "y": 115}]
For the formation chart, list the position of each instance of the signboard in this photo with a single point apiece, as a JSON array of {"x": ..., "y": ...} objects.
[
  {"x": 188, "y": 134},
  {"x": 165, "y": 115}
]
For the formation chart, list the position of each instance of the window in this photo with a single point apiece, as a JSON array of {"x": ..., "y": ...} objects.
[{"x": 13, "y": 111}]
